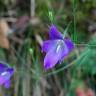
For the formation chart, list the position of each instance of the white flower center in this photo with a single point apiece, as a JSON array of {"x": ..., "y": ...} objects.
[
  {"x": 58, "y": 48},
  {"x": 59, "y": 45},
  {"x": 4, "y": 73}
]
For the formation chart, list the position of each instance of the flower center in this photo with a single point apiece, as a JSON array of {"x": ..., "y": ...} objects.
[
  {"x": 4, "y": 73},
  {"x": 58, "y": 48},
  {"x": 60, "y": 45}
]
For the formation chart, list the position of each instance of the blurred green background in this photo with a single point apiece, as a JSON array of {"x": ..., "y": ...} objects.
[{"x": 24, "y": 51}]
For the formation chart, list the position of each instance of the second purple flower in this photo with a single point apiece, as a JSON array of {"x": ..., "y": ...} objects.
[{"x": 6, "y": 73}]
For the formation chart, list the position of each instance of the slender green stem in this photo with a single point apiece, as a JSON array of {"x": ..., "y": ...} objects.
[
  {"x": 66, "y": 30},
  {"x": 83, "y": 44},
  {"x": 74, "y": 21}
]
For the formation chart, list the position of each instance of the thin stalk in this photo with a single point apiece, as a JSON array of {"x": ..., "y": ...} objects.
[{"x": 74, "y": 21}]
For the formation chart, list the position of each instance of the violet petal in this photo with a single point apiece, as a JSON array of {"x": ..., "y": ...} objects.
[
  {"x": 49, "y": 44},
  {"x": 3, "y": 67},
  {"x": 11, "y": 71},
  {"x": 54, "y": 33},
  {"x": 69, "y": 44},
  {"x": 2, "y": 80},
  {"x": 7, "y": 84},
  {"x": 53, "y": 56}
]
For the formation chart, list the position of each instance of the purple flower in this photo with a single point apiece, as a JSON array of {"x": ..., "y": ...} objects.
[
  {"x": 57, "y": 48},
  {"x": 5, "y": 75}
]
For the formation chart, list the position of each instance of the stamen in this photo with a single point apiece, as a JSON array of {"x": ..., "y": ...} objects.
[
  {"x": 59, "y": 44},
  {"x": 58, "y": 48}
]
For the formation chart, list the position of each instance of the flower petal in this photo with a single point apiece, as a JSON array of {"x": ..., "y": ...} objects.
[
  {"x": 54, "y": 55},
  {"x": 49, "y": 44},
  {"x": 54, "y": 33},
  {"x": 7, "y": 84},
  {"x": 2, "y": 67},
  {"x": 2, "y": 80},
  {"x": 69, "y": 44},
  {"x": 11, "y": 71}
]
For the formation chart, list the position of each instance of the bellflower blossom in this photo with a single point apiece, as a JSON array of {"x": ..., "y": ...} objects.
[
  {"x": 57, "y": 48},
  {"x": 5, "y": 75}
]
